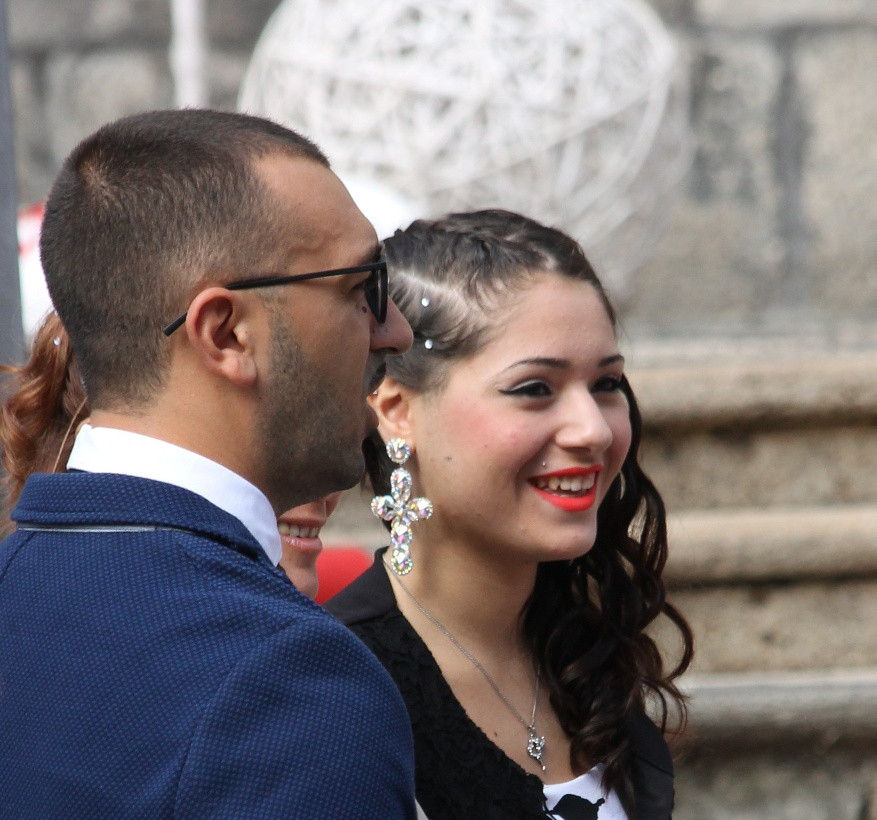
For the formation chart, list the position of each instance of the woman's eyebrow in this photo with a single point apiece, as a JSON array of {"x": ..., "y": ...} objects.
[
  {"x": 546, "y": 361},
  {"x": 541, "y": 361}
]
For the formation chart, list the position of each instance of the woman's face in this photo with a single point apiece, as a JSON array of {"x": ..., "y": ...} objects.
[
  {"x": 299, "y": 530},
  {"x": 520, "y": 445}
]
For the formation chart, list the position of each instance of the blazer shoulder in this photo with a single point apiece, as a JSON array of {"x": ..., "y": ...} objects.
[{"x": 306, "y": 702}]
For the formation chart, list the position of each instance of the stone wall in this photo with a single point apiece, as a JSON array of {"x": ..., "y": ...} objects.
[
  {"x": 79, "y": 63},
  {"x": 776, "y": 229},
  {"x": 775, "y": 232}
]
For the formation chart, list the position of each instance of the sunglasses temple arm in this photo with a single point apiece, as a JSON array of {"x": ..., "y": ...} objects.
[{"x": 175, "y": 324}]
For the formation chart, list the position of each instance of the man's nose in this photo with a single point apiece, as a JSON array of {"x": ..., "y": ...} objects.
[{"x": 394, "y": 336}]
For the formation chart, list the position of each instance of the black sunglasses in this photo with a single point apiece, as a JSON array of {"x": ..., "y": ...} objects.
[{"x": 375, "y": 288}]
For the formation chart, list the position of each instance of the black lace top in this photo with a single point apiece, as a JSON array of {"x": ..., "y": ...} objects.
[{"x": 459, "y": 771}]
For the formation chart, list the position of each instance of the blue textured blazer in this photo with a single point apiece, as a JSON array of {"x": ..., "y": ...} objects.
[{"x": 153, "y": 663}]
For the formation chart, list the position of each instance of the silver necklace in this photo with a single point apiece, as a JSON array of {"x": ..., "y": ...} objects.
[{"x": 535, "y": 743}]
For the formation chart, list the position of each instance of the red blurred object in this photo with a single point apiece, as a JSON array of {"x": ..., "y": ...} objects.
[{"x": 339, "y": 566}]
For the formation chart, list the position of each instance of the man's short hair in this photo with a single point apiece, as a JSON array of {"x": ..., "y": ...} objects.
[{"x": 142, "y": 211}]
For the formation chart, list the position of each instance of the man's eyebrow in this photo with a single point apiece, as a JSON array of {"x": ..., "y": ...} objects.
[
  {"x": 560, "y": 364},
  {"x": 376, "y": 254}
]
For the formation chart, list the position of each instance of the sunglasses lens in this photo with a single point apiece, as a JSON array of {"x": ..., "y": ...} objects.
[{"x": 376, "y": 294}]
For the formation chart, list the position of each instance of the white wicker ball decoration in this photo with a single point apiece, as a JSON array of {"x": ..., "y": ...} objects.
[{"x": 572, "y": 111}]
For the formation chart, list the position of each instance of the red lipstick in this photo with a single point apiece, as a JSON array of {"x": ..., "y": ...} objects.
[{"x": 568, "y": 503}]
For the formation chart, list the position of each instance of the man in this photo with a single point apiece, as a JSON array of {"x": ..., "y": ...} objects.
[{"x": 154, "y": 662}]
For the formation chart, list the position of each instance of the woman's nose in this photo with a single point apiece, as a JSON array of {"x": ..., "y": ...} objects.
[{"x": 584, "y": 425}]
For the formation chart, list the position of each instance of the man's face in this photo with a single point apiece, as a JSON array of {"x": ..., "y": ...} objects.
[{"x": 326, "y": 347}]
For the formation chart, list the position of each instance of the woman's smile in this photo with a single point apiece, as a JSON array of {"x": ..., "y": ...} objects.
[{"x": 573, "y": 489}]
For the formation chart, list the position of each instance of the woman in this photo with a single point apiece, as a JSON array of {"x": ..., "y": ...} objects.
[
  {"x": 45, "y": 399},
  {"x": 37, "y": 429},
  {"x": 300, "y": 539},
  {"x": 514, "y": 623}
]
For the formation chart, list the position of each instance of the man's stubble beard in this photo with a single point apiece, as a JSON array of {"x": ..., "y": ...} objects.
[{"x": 308, "y": 445}]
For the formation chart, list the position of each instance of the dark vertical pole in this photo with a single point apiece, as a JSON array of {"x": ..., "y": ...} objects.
[{"x": 11, "y": 333}]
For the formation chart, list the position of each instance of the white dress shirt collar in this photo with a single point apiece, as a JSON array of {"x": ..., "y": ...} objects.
[{"x": 108, "y": 450}]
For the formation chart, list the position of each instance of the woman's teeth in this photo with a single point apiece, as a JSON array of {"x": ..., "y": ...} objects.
[
  {"x": 297, "y": 532},
  {"x": 572, "y": 484}
]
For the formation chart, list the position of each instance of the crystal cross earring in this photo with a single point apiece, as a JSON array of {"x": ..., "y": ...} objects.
[{"x": 399, "y": 508}]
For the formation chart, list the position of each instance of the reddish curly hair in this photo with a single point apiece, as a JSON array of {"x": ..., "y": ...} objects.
[{"x": 45, "y": 397}]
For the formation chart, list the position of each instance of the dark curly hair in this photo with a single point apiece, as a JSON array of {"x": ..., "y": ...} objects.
[
  {"x": 585, "y": 620},
  {"x": 45, "y": 398}
]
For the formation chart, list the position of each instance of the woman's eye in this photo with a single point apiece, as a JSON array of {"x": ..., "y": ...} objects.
[
  {"x": 533, "y": 389},
  {"x": 608, "y": 384}
]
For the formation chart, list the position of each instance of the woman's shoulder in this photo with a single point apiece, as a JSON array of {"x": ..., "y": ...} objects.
[
  {"x": 368, "y": 608},
  {"x": 369, "y": 597},
  {"x": 648, "y": 743},
  {"x": 651, "y": 769}
]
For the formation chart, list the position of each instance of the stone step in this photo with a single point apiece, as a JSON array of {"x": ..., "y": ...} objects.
[
  {"x": 779, "y": 627},
  {"x": 753, "y": 709},
  {"x": 776, "y": 589},
  {"x": 754, "y": 545},
  {"x": 783, "y": 746},
  {"x": 810, "y": 466},
  {"x": 692, "y": 389},
  {"x": 760, "y": 429}
]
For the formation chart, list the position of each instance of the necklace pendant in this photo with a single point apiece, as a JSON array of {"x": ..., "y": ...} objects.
[{"x": 535, "y": 745}]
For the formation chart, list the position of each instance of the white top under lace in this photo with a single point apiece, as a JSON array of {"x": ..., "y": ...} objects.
[{"x": 584, "y": 797}]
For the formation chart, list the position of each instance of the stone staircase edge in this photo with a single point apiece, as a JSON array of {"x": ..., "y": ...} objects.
[
  {"x": 832, "y": 705},
  {"x": 826, "y": 390},
  {"x": 745, "y": 545}
]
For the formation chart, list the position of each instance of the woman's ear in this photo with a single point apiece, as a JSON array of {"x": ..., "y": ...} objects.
[{"x": 392, "y": 402}]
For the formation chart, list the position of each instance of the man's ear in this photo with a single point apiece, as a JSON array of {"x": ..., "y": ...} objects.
[
  {"x": 219, "y": 327},
  {"x": 392, "y": 402}
]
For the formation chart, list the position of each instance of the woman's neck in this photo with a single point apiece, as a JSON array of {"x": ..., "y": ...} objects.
[
  {"x": 466, "y": 604},
  {"x": 476, "y": 597}
]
